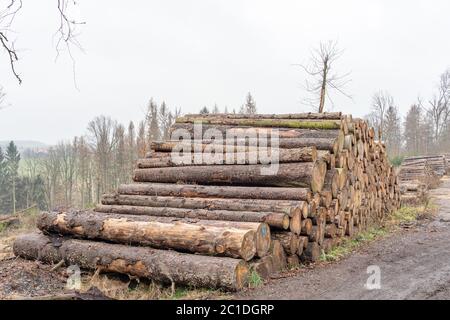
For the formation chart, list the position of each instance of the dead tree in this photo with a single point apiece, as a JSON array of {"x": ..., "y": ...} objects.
[{"x": 323, "y": 80}]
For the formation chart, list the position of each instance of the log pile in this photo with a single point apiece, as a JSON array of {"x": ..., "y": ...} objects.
[
  {"x": 422, "y": 169},
  {"x": 209, "y": 221},
  {"x": 437, "y": 163}
]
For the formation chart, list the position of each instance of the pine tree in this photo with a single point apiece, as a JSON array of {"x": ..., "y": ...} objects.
[
  {"x": 413, "y": 126},
  {"x": 250, "y": 105},
  {"x": 12, "y": 165},
  {"x": 153, "y": 130},
  {"x": 204, "y": 110},
  {"x": 215, "y": 109},
  {"x": 392, "y": 131},
  {"x": 141, "y": 143}
]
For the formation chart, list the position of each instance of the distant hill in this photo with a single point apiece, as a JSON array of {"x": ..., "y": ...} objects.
[{"x": 24, "y": 145}]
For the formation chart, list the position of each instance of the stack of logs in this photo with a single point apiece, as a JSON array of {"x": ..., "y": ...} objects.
[
  {"x": 418, "y": 174},
  {"x": 209, "y": 224}
]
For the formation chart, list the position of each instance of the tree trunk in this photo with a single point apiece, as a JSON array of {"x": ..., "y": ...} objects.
[
  {"x": 257, "y": 205},
  {"x": 248, "y": 145},
  {"x": 273, "y": 219},
  {"x": 201, "y": 191},
  {"x": 211, "y": 157},
  {"x": 305, "y": 115},
  {"x": 160, "y": 265},
  {"x": 308, "y": 174},
  {"x": 190, "y": 237},
  {"x": 271, "y": 123}
]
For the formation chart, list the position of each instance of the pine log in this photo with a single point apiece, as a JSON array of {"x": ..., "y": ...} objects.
[
  {"x": 293, "y": 262},
  {"x": 305, "y": 115},
  {"x": 205, "y": 191},
  {"x": 278, "y": 256},
  {"x": 263, "y": 266},
  {"x": 274, "y": 219},
  {"x": 307, "y": 174},
  {"x": 160, "y": 265},
  {"x": 196, "y": 238},
  {"x": 235, "y": 132},
  {"x": 257, "y": 205},
  {"x": 271, "y": 123},
  {"x": 288, "y": 240},
  {"x": 331, "y": 144},
  {"x": 261, "y": 156},
  {"x": 311, "y": 253}
]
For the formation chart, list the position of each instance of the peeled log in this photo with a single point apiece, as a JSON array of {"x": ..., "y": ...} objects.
[
  {"x": 257, "y": 205},
  {"x": 306, "y": 174},
  {"x": 273, "y": 219},
  {"x": 205, "y": 191},
  {"x": 212, "y": 157},
  {"x": 195, "y": 238},
  {"x": 160, "y": 265}
]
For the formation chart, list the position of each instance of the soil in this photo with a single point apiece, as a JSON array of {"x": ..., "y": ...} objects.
[{"x": 413, "y": 264}]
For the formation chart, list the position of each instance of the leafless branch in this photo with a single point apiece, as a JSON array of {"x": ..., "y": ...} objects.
[
  {"x": 6, "y": 19},
  {"x": 67, "y": 32}
]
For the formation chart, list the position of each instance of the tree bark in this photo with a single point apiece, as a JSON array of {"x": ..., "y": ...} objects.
[
  {"x": 271, "y": 123},
  {"x": 262, "y": 156},
  {"x": 197, "y": 237},
  {"x": 307, "y": 175},
  {"x": 160, "y": 265},
  {"x": 257, "y": 205},
  {"x": 274, "y": 219},
  {"x": 202, "y": 191}
]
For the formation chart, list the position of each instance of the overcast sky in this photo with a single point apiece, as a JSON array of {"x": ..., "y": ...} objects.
[{"x": 196, "y": 53}]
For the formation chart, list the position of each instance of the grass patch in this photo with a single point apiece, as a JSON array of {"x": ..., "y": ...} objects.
[
  {"x": 403, "y": 216},
  {"x": 255, "y": 280}
]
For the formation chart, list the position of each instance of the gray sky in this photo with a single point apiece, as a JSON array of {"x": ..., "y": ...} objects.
[{"x": 196, "y": 53}]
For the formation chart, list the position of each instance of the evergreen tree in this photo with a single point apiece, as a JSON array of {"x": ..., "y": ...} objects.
[
  {"x": 204, "y": 110},
  {"x": 215, "y": 109},
  {"x": 250, "y": 105},
  {"x": 153, "y": 130},
  {"x": 392, "y": 131},
  {"x": 12, "y": 165},
  {"x": 413, "y": 131}
]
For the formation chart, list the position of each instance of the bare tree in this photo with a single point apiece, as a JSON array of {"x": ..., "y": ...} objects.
[
  {"x": 381, "y": 101},
  {"x": 103, "y": 142},
  {"x": 323, "y": 80},
  {"x": 439, "y": 106}
]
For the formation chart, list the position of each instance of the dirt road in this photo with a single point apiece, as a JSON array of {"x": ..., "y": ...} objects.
[{"x": 413, "y": 263}]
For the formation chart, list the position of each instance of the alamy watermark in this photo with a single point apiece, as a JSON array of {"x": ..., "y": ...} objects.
[
  {"x": 374, "y": 280},
  {"x": 234, "y": 146}
]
